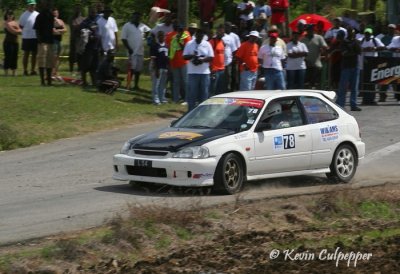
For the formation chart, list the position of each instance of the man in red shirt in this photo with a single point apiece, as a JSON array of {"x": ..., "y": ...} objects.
[
  {"x": 247, "y": 57},
  {"x": 218, "y": 63}
]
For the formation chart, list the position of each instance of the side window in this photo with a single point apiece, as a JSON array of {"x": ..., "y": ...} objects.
[
  {"x": 317, "y": 111},
  {"x": 282, "y": 113}
]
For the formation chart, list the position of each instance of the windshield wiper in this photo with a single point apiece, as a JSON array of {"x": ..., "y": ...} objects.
[{"x": 200, "y": 126}]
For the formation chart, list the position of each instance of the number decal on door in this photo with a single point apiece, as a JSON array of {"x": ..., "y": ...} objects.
[{"x": 289, "y": 141}]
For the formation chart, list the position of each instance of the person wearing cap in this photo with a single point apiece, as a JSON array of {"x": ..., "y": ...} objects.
[
  {"x": 279, "y": 12},
  {"x": 370, "y": 46},
  {"x": 279, "y": 42},
  {"x": 301, "y": 26},
  {"x": 332, "y": 32},
  {"x": 199, "y": 53},
  {"x": 271, "y": 56},
  {"x": 132, "y": 35},
  {"x": 316, "y": 47},
  {"x": 166, "y": 26},
  {"x": 176, "y": 41},
  {"x": 246, "y": 57},
  {"x": 29, "y": 39},
  {"x": 295, "y": 63},
  {"x": 108, "y": 30},
  {"x": 349, "y": 73},
  {"x": 192, "y": 28}
]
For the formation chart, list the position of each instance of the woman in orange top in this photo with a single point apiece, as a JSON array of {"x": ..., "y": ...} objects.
[{"x": 247, "y": 57}]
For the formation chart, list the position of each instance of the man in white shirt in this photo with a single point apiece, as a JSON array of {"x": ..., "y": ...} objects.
[
  {"x": 296, "y": 64},
  {"x": 369, "y": 48},
  {"x": 271, "y": 56},
  {"x": 132, "y": 37},
  {"x": 29, "y": 39},
  {"x": 200, "y": 53},
  {"x": 108, "y": 30}
]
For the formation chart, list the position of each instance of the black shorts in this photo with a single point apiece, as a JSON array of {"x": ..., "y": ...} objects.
[{"x": 30, "y": 45}]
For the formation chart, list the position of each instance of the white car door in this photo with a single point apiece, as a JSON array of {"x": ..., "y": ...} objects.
[
  {"x": 323, "y": 124},
  {"x": 287, "y": 145}
]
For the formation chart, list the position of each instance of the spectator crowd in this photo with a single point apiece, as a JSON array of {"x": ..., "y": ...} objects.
[{"x": 248, "y": 49}]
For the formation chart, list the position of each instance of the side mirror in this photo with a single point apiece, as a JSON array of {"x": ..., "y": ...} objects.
[{"x": 262, "y": 126}]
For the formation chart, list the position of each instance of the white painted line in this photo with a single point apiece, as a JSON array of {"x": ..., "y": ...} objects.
[{"x": 373, "y": 156}]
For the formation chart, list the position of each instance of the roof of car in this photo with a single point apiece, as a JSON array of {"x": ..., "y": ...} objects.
[{"x": 265, "y": 94}]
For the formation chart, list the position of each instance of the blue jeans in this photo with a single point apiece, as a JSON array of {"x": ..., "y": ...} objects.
[
  {"x": 295, "y": 78},
  {"x": 217, "y": 83},
  {"x": 159, "y": 85},
  {"x": 349, "y": 78},
  {"x": 179, "y": 82},
  {"x": 198, "y": 89},
  {"x": 274, "y": 79},
  {"x": 248, "y": 80}
]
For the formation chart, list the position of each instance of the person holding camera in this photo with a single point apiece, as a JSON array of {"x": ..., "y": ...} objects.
[{"x": 200, "y": 54}]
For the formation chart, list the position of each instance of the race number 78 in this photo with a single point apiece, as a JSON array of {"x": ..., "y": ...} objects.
[{"x": 289, "y": 141}]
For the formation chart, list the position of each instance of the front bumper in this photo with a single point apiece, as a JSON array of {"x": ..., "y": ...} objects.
[{"x": 170, "y": 171}]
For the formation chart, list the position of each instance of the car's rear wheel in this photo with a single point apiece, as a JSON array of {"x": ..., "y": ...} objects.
[
  {"x": 344, "y": 164},
  {"x": 229, "y": 175}
]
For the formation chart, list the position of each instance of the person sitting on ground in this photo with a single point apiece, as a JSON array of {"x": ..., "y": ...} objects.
[{"x": 107, "y": 80}]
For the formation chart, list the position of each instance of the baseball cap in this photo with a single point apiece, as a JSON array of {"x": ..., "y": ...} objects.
[
  {"x": 393, "y": 26},
  {"x": 31, "y": 2},
  {"x": 338, "y": 19},
  {"x": 273, "y": 34},
  {"x": 254, "y": 33},
  {"x": 193, "y": 25},
  {"x": 368, "y": 30},
  {"x": 302, "y": 21}
]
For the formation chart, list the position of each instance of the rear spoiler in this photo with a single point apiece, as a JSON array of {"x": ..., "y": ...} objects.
[{"x": 331, "y": 95}]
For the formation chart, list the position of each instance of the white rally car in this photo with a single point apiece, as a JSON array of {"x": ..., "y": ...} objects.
[{"x": 241, "y": 136}]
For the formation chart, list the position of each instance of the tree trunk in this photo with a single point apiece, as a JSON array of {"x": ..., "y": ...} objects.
[
  {"x": 366, "y": 5},
  {"x": 354, "y": 4}
]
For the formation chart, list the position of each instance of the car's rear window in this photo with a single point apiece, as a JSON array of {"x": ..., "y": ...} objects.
[{"x": 317, "y": 111}]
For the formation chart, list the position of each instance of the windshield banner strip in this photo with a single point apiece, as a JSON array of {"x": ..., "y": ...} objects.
[{"x": 255, "y": 103}]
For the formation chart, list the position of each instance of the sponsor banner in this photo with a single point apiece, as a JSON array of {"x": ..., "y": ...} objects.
[{"x": 381, "y": 70}]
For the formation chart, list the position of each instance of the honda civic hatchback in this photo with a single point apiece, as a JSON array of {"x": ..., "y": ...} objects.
[{"x": 236, "y": 137}]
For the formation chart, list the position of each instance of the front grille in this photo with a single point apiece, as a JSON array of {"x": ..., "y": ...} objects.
[
  {"x": 150, "y": 152},
  {"x": 146, "y": 171}
]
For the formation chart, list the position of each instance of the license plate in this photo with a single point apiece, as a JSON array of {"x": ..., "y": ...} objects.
[{"x": 143, "y": 163}]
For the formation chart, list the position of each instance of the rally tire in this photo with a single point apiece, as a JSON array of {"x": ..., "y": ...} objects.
[
  {"x": 344, "y": 164},
  {"x": 229, "y": 174}
]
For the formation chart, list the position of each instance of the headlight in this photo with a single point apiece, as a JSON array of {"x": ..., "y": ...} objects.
[
  {"x": 127, "y": 146},
  {"x": 192, "y": 153}
]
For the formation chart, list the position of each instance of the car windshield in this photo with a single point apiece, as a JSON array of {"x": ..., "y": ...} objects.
[{"x": 237, "y": 114}]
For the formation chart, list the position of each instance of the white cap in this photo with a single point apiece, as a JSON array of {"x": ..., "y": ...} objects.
[
  {"x": 302, "y": 21},
  {"x": 254, "y": 33}
]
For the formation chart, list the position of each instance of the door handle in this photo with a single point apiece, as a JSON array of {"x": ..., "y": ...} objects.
[{"x": 302, "y": 135}]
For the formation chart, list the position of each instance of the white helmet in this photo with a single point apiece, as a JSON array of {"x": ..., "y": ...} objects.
[{"x": 273, "y": 109}]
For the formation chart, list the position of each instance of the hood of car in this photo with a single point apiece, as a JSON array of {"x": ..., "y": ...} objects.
[{"x": 173, "y": 139}]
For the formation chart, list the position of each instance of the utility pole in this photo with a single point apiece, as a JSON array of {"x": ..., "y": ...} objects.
[{"x": 183, "y": 7}]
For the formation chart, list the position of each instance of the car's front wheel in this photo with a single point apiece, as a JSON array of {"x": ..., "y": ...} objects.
[
  {"x": 344, "y": 164},
  {"x": 229, "y": 175}
]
